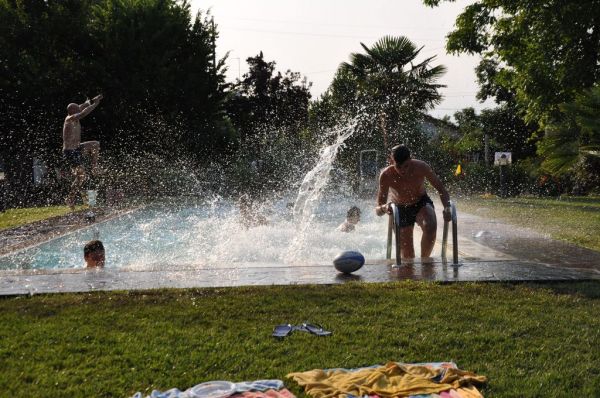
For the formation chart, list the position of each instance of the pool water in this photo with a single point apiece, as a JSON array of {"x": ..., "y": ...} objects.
[{"x": 210, "y": 234}]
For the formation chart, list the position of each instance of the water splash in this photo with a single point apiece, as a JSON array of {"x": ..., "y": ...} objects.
[{"x": 313, "y": 186}]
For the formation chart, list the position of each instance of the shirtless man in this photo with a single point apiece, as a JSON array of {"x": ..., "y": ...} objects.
[
  {"x": 74, "y": 149},
  {"x": 404, "y": 182}
]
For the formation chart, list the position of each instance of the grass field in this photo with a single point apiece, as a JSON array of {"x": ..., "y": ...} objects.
[
  {"x": 572, "y": 219},
  {"x": 16, "y": 217},
  {"x": 535, "y": 340}
]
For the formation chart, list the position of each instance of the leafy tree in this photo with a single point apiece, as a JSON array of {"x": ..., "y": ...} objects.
[
  {"x": 270, "y": 111},
  {"x": 471, "y": 130},
  {"x": 507, "y": 131},
  {"x": 538, "y": 54},
  {"x": 161, "y": 66},
  {"x": 164, "y": 90},
  {"x": 266, "y": 104},
  {"x": 394, "y": 88},
  {"x": 37, "y": 53},
  {"x": 383, "y": 92},
  {"x": 543, "y": 51},
  {"x": 573, "y": 143}
]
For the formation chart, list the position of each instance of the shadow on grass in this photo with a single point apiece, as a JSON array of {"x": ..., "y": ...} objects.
[
  {"x": 588, "y": 289},
  {"x": 347, "y": 277}
]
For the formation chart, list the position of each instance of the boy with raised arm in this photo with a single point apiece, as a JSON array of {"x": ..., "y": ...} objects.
[{"x": 74, "y": 149}]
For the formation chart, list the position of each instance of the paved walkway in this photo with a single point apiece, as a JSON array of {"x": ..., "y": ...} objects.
[
  {"x": 489, "y": 251},
  {"x": 13, "y": 239}
]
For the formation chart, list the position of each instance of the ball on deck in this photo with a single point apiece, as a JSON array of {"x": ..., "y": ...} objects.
[{"x": 348, "y": 261}]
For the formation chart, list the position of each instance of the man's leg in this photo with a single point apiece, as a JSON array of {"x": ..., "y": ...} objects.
[
  {"x": 406, "y": 242},
  {"x": 428, "y": 223},
  {"x": 78, "y": 178},
  {"x": 92, "y": 149}
]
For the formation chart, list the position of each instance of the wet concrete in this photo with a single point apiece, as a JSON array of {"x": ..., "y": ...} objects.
[
  {"x": 489, "y": 251},
  {"x": 526, "y": 244},
  {"x": 106, "y": 279}
]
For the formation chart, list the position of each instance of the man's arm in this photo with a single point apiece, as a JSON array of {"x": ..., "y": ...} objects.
[
  {"x": 382, "y": 194},
  {"x": 89, "y": 102},
  {"x": 87, "y": 109},
  {"x": 439, "y": 186}
]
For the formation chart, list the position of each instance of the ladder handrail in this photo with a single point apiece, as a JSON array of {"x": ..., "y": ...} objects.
[
  {"x": 454, "y": 236},
  {"x": 394, "y": 225},
  {"x": 394, "y": 229}
]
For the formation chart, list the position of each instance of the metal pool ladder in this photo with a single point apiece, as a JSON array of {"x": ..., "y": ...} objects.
[
  {"x": 454, "y": 237},
  {"x": 394, "y": 229}
]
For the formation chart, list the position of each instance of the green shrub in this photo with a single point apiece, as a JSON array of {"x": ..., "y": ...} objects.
[{"x": 477, "y": 178}]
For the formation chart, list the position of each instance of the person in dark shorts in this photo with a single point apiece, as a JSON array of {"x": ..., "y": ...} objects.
[
  {"x": 408, "y": 213},
  {"x": 74, "y": 149},
  {"x": 403, "y": 183},
  {"x": 74, "y": 157}
]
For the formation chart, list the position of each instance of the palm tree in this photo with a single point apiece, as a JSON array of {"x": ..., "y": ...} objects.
[
  {"x": 575, "y": 138},
  {"x": 388, "y": 79}
]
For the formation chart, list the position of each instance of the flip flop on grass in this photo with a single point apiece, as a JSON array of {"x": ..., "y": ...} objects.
[
  {"x": 314, "y": 329},
  {"x": 282, "y": 330}
]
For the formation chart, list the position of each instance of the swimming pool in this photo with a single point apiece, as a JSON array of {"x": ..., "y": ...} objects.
[{"x": 210, "y": 234}]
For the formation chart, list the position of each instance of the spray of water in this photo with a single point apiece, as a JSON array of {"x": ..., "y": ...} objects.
[
  {"x": 207, "y": 230},
  {"x": 313, "y": 186}
]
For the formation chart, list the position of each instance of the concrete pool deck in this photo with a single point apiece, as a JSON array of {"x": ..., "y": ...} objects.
[{"x": 489, "y": 250}]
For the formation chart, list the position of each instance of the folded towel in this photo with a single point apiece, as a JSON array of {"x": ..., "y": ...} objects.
[{"x": 217, "y": 389}]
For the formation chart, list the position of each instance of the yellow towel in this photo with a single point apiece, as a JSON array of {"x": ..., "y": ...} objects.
[{"x": 387, "y": 381}]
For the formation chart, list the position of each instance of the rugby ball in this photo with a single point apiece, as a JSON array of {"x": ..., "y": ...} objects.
[{"x": 348, "y": 261}]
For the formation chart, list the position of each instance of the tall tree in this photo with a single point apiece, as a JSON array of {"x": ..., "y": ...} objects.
[
  {"x": 267, "y": 105},
  {"x": 270, "y": 111},
  {"x": 164, "y": 90},
  {"x": 573, "y": 144},
  {"x": 394, "y": 86},
  {"x": 538, "y": 53},
  {"x": 383, "y": 92},
  {"x": 545, "y": 50},
  {"x": 471, "y": 132}
]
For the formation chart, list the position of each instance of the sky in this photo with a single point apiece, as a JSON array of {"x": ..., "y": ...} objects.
[{"x": 314, "y": 36}]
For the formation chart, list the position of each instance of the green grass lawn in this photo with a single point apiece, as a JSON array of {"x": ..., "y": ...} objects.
[
  {"x": 16, "y": 217},
  {"x": 530, "y": 340},
  {"x": 573, "y": 219}
]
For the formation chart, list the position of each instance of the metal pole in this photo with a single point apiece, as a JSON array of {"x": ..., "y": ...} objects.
[
  {"x": 454, "y": 235},
  {"x": 445, "y": 241},
  {"x": 388, "y": 254},
  {"x": 239, "y": 72},
  {"x": 486, "y": 146},
  {"x": 214, "y": 45},
  {"x": 394, "y": 223},
  {"x": 396, "y": 214}
]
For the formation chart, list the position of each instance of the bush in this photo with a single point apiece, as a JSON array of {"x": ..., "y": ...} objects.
[
  {"x": 586, "y": 176},
  {"x": 478, "y": 178}
]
